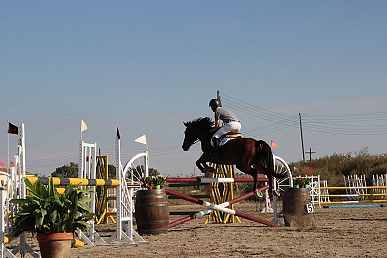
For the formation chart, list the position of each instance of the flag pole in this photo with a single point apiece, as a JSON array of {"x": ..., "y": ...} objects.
[
  {"x": 83, "y": 127},
  {"x": 7, "y": 147},
  {"x": 80, "y": 128}
]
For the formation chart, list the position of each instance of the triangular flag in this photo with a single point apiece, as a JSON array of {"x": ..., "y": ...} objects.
[
  {"x": 12, "y": 129},
  {"x": 12, "y": 164},
  {"x": 141, "y": 139},
  {"x": 1, "y": 164},
  {"x": 273, "y": 145},
  {"x": 118, "y": 134},
  {"x": 83, "y": 126}
]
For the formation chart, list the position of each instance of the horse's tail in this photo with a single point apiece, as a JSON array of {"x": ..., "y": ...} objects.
[{"x": 265, "y": 155}]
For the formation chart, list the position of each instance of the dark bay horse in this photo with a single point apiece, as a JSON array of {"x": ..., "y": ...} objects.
[{"x": 249, "y": 156}]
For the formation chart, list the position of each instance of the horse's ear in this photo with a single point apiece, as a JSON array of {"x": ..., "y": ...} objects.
[{"x": 185, "y": 123}]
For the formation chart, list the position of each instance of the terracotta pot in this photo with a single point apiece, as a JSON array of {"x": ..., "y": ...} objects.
[{"x": 55, "y": 245}]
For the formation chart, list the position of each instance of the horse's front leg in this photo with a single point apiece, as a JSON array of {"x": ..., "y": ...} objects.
[
  {"x": 204, "y": 167},
  {"x": 201, "y": 163},
  {"x": 200, "y": 166}
]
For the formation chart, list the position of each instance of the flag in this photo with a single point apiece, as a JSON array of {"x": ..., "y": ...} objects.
[
  {"x": 12, "y": 164},
  {"x": 141, "y": 139},
  {"x": 273, "y": 145},
  {"x": 1, "y": 164},
  {"x": 83, "y": 126},
  {"x": 309, "y": 170},
  {"x": 12, "y": 129},
  {"x": 118, "y": 134}
]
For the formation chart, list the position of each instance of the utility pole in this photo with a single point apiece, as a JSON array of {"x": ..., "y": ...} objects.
[
  {"x": 310, "y": 153},
  {"x": 302, "y": 139},
  {"x": 218, "y": 97}
]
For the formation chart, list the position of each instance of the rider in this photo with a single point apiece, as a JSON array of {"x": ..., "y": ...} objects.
[{"x": 230, "y": 124}]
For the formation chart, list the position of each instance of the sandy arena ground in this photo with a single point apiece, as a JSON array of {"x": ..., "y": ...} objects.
[{"x": 351, "y": 232}]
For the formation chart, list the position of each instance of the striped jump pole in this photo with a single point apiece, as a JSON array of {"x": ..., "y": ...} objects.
[
  {"x": 216, "y": 215},
  {"x": 80, "y": 181},
  {"x": 76, "y": 181},
  {"x": 370, "y": 195},
  {"x": 219, "y": 207},
  {"x": 213, "y": 180}
]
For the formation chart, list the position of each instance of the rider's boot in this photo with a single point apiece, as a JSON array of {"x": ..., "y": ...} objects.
[{"x": 215, "y": 153}]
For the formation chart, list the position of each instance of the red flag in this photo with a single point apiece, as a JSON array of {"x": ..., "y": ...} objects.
[
  {"x": 309, "y": 170},
  {"x": 12, "y": 164},
  {"x": 12, "y": 129},
  {"x": 273, "y": 145},
  {"x": 1, "y": 164}
]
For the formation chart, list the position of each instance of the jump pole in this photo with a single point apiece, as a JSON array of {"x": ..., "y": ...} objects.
[
  {"x": 78, "y": 181},
  {"x": 219, "y": 207},
  {"x": 214, "y": 180}
]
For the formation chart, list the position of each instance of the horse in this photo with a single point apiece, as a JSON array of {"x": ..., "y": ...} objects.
[{"x": 247, "y": 154}]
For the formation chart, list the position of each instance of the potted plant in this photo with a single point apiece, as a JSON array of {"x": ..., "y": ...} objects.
[
  {"x": 151, "y": 182},
  {"x": 52, "y": 215},
  {"x": 147, "y": 182},
  {"x": 159, "y": 181},
  {"x": 301, "y": 182}
]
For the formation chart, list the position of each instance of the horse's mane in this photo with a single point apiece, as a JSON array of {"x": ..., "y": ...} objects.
[{"x": 202, "y": 122}]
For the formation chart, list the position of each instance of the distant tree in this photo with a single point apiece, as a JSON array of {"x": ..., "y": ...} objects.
[
  {"x": 111, "y": 171},
  {"x": 139, "y": 170},
  {"x": 66, "y": 171},
  {"x": 153, "y": 172}
]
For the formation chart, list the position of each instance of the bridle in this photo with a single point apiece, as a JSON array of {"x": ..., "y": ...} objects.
[
  {"x": 190, "y": 143},
  {"x": 187, "y": 144},
  {"x": 193, "y": 142}
]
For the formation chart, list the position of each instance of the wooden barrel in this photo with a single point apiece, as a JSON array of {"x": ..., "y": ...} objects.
[
  {"x": 151, "y": 212},
  {"x": 295, "y": 201}
]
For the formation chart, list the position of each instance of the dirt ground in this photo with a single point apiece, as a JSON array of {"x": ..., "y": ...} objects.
[{"x": 351, "y": 232}]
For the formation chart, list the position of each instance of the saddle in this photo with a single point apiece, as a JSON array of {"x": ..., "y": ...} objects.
[{"x": 231, "y": 135}]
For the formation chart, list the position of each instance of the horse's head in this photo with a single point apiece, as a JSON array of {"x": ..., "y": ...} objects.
[
  {"x": 189, "y": 137},
  {"x": 195, "y": 130}
]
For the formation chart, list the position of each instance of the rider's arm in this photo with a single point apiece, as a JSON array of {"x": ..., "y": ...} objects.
[{"x": 216, "y": 127}]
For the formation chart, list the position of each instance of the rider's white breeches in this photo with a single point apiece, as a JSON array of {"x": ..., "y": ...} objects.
[{"x": 234, "y": 127}]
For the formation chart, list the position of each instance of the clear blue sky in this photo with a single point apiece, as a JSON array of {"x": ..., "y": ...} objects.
[{"x": 147, "y": 66}]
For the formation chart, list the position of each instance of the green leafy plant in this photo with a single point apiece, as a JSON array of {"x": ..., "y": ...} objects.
[
  {"x": 159, "y": 180},
  {"x": 153, "y": 180},
  {"x": 301, "y": 182},
  {"x": 44, "y": 210},
  {"x": 147, "y": 181}
]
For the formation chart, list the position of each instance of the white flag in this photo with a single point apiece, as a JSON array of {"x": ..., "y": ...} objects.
[
  {"x": 141, "y": 139},
  {"x": 83, "y": 126}
]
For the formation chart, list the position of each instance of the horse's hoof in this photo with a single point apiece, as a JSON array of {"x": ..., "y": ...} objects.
[
  {"x": 258, "y": 193},
  {"x": 209, "y": 169}
]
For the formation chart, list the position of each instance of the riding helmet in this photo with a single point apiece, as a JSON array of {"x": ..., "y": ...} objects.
[{"x": 215, "y": 103}]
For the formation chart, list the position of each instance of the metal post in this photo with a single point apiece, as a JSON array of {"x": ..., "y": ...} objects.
[{"x": 302, "y": 139}]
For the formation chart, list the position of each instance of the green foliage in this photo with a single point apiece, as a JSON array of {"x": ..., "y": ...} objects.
[
  {"x": 46, "y": 211},
  {"x": 153, "y": 180},
  {"x": 335, "y": 167},
  {"x": 66, "y": 171},
  {"x": 153, "y": 172},
  {"x": 112, "y": 171}
]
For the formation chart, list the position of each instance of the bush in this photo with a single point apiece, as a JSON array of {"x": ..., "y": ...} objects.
[{"x": 335, "y": 167}]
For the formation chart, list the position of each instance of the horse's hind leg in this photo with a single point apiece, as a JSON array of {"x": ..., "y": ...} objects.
[
  {"x": 257, "y": 192},
  {"x": 254, "y": 173}
]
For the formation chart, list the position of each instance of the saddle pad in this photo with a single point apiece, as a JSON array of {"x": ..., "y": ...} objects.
[{"x": 233, "y": 135}]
